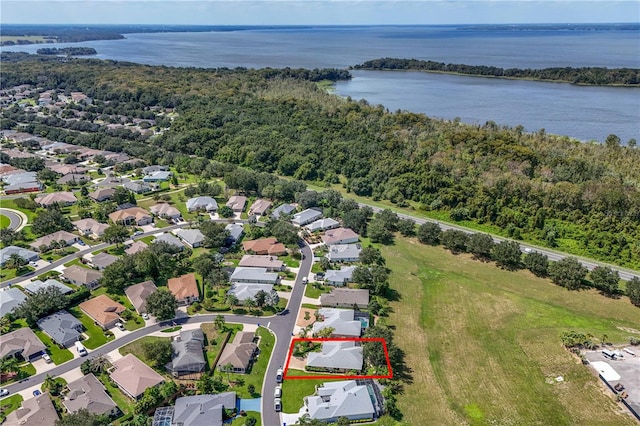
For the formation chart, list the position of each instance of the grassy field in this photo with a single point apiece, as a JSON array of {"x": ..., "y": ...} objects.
[
  {"x": 480, "y": 342},
  {"x": 4, "y": 221},
  {"x": 135, "y": 348}
]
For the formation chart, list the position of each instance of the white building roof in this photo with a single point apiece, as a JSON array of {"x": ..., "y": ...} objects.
[{"x": 338, "y": 399}]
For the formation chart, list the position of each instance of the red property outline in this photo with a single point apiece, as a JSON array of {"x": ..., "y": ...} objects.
[{"x": 337, "y": 376}]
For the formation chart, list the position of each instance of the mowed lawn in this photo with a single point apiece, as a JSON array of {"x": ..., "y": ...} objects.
[{"x": 481, "y": 341}]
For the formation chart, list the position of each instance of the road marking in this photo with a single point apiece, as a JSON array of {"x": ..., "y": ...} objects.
[{"x": 269, "y": 324}]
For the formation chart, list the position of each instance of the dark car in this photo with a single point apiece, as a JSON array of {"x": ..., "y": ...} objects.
[
  {"x": 36, "y": 392},
  {"x": 285, "y": 312}
]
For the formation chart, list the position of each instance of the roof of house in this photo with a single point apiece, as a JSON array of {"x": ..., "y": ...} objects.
[
  {"x": 235, "y": 230},
  {"x": 61, "y": 327},
  {"x": 345, "y": 296},
  {"x": 22, "y": 185},
  {"x": 169, "y": 239},
  {"x": 207, "y": 203},
  {"x": 36, "y": 285},
  {"x": 344, "y": 251},
  {"x": 190, "y": 236},
  {"x": 183, "y": 286},
  {"x": 23, "y": 341},
  {"x": 244, "y": 291},
  {"x": 66, "y": 169},
  {"x": 102, "y": 309},
  {"x": 82, "y": 275},
  {"x": 243, "y": 274},
  {"x": 322, "y": 224},
  {"x": 306, "y": 216},
  {"x": 102, "y": 193},
  {"x": 10, "y": 299},
  {"x": 282, "y": 209},
  {"x": 333, "y": 236},
  {"x": 87, "y": 392},
  {"x": 16, "y": 178},
  {"x": 134, "y": 376},
  {"x": 342, "y": 275},
  {"x": 260, "y": 206},
  {"x": 138, "y": 294},
  {"x": 91, "y": 225},
  {"x": 164, "y": 209},
  {"x": 24, "y": 253},
  {"x": 137, "y": 186},
  {"x": 202, "y": 410},
  {"x": 154, "y": 168},
  {"x": 335, "y": 354},
  {"x": 36, "y": 411},
  {"x": 187, "y": 350},
  {"x": 237, "y": 202},
  {"x": 338, "y": 399},
  {"x": 261, "y": 261},
  {"x": 269, "y": 245},
  {"x": 103, "y": 259},
  {"x": 136, "y": 247},
  {"x": 47, "y": 240},
  {"x": 239, "y": 352},
  {"x": 136, "y": 212},
  {"x": 56, "y": 197},
  {"x": 159, "y": 175},
  {"x": 72, "y": 177},
  {"x": 341, "y": 320}
]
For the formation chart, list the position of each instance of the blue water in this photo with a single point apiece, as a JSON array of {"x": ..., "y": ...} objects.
[
  {"x": 587, "y": 113},
  {"x": 253, "y": 404}
]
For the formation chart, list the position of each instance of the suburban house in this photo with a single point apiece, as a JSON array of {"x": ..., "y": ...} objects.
[
  {"x": 20, "y": 187},
  {"x": 136, "y": 247},
  {"x": 207, "y": 204},
  {"x": 184, "y": 288},
  {"x": 238, "y": 353},
  {"x": 59, "y": 237},
  {"x": 322, "y": 225},
  {"x": 339, "y": 236},
  {"x": 27, "y": 255},
  {"x": 157, "y": 176},
  {"x": 341, "y": 320},
  {"x": 154, "y": 168},
  {"x": 259, "y": 207},
  {"x": 131, "y": 216},
  {"x": 169, "y": 239},
  {"x": 10, "y": 299},
  {"x": 188, "y": 357},
  {"x": 341, "y": 399},
  {"x": 306, "y": 216},
  {"x": 244, "y": 291},
  {"x": 254, "y": 275},
  {"x": 78, "y": 275},
  {"x": 138, "y": 187},
  {"x": 36, "y": 411},
  {"x": 68, "y": 169},
  {"x": 270, "y": 263},
  {"x": 88, "y": 393},
  {"x": 21, "y": 343},
  {"x": 339, "y": 277},
  {"x": 236, "y": 230},
  {"x": 237, "y": 203},
  {"x": 104, "y": 311},
  {"x": 36, "y": 285},
  {"x": 336, "y": 357},
  {"x": 284, "y": 209},
  {"x": 103, "y": 259},
  {"x": 269, "y": 246},
  {"x": 134, "y": 376},
  {"x": 62, "y": 327},
  {"x": 90, "y": 228},
  {"x": 102, "y": 194},
  {"x": 345, "y": 298},
  {"x": 138, "y": 294},
  {"x": 191, "y": 237},
  {"x": 198, "y": 410},
  {"x": 72, "y": 179},
  {"x": 165, "y": 210},
  {"x": 61, "y": 198},
  {"x": 344, "y": 253}
]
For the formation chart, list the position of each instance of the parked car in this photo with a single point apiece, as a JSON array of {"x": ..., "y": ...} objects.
[
  {"x": 46, "y": 358},
  {"x": 145, "y": 317},
  {"x": 305, "y": 280},
  {"x": 82, "y": 351},
  {"x": 81, "y": 243},
  {"x": 36, "y": 392},
  {"x": 277, "y": 404},
  {"x": 120, "y": 325},
  {"x": 138, "y": 233},
  {"x": 279, "y": 374},
  {"x": 277, "y": 392},
  {"x": 284, "y": 312},
  {"x": 4, "y": 392}
]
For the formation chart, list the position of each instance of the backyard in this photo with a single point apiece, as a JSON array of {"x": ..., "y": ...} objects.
[{"x": 294, "y": 391}]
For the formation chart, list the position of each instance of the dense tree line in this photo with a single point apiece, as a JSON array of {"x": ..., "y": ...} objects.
[
  {"x": 598, "y": 76},
  {"x": 75, "y": 51}
]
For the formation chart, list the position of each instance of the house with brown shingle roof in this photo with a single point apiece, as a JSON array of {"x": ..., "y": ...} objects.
[
  {"x": 136, "y": 247},
  {"x": 37, "y": 411},
  {"x": 259, "y": 207},
  {"x": 138, "y": 294},
  {"x": 134, "y": 376},
  {"x": 78, "y": 275},
  {"x": 345, "y": 298},
  {"x": 131, "y": 216},
  {"x": 62, "y": 198},
  {"x": 184, "y": 288},
  {"x": 90, "y": 227},
  {"x": 237, "y": 203},
  {"x": 269, "y": 246},
  {"x": 165, "y": 210},
  {"x": 339, "y": 236},
  {"x": 102, "y": 194},
  {"x": 22, "y": 342},
  {"x": 88, "y": 393},
  {"x": 238, "y": 353},
  {"x": 104, "y": 311},
  {"x": 48, "y": 240}
]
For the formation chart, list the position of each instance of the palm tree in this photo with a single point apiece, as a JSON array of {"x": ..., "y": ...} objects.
[
  {"x": 228, "y": 368},
  {"x": 219, "y": 322},
  {"x": 232, "y": 300},
  {"x": 9, "y": 365},
  {"x": 50, "y": 384},
  {"x": 100, "y": 364},
  {"x": 249, "y": 302},
  {"x": 15, "y": 261},
  {"x": 5, "y": 325}
]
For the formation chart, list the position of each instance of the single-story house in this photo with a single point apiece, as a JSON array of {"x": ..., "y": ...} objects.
[
  {"x": 62, "y": 327},
  {"x": 88, "y": 393},
  {"x": 306, "y": 216},
  {"x": 188, "y": 357},
  {"x": 22, "y": 343},
  {"x": 236, "y": 230},
  {"x": 208, "y": 204},
  {"x": 104, "y": 311},
  {"x": 269, "y": 246},
  {"x": 68, "y": 169},
  {"x": 136, "y": 247},
  {"x": 169, "y": 239},
  {"x": 133, "y": 376},
  {"x": 244, "y": 291},
  {"x": 191, "y": 237},
  {"x": 72, "y": 179},
  {"x": 78, "y": 275},
  {"x": 23, "y": 177},
  {"x": 102, "y": 194},
  {"x": 27, "y": 255},
  {"x": 339, "y": 277},
  {"x": 270, "y": 263},
  {"x": 344, "y": 253},
  {"x": 154, "y": 168},
  {"x": 339, "y": 236},
  {"x": 36, "y": 411},
  {"x": 341, "y": 399},
  {"x": 36, "y": 285},
  {"x": 283, "y": 209},
  {"x": 198, "y": 410},
  {"x": 237, "y": 203},
  {"x": 90, "y": 228},
  {"x": 345, "y": 298},
  {"x": 184, "y": 288},
  {"x": 20, "y": 187},
  {"x": 238, "y": 353},
  {"x": 259, "y": 207},
  {"x": 138, "y": 187},
  {"x": 165, "y": 210},
  {"x": 157, "y": 176},
  {"x": 254, "y": 275},
  {"x": 67, "y": 238},
  {"x": 10, "y": 299},
  {"x": 138, "y": 294},
  {"x": 322, "y": 225},
  {"x": 341, "y": 320},
  {"x": 131, "y": 216},
  {"x": 62, "y": 198},
  {"x": 337, "y": 356},
  {"x": 103, "y": 259}
]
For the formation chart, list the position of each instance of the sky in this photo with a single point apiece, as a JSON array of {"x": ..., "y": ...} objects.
[{"x": 316, "y": 12}]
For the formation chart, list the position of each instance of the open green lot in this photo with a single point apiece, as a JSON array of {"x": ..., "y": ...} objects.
[
  {"x": 314, "y": 291},
  {"x": 480, "y": 342},
  {"x": 215, "y": 338},
  {"x": 135, "y": 348}
]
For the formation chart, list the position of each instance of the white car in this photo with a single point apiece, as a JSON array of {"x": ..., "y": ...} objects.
[
  {"x": 120, "y": 325},
  {"x": 527, "y": 250},
  {"x": 46, "y": 358},
  {"x": 4, "y": 392},
  {"x": 277, "y": 393},
  {"x": 277, "y": 404},
  {"x": 145, "y": 317}
]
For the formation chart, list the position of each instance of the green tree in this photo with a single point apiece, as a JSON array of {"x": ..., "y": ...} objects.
[
  {"x": 41, "y": 303},
  {"x": 15, "y": 261},
  {"x": 214, "y": 234},
  {"x": 454, "y": 240},
  {"x": 225, "y": 211},
  {"x": 605, "y": 279},
  {"x": 537, "y": 263},
  {"x": 122, "y": 195},
  {"x": 378, "y": 233},
  {"x": 158, "y": 351},
  {"x": 162, "y": 305},
  {"x": 283, "y": 230},
  {"x": 371, "y": 256},
  {"x": 115, "y": 234},
  {"x": 219, "y": 322},
  {"x": 480, "y": 245},
  {"x": 429, "y": 233},
  {"x": 50, "y": 221},
  {"x": 633, "y": 290},
  {"x": 407, "y": 227},
  {"x": 52, "y": 386},
  {"x": 507, "y": 254},
  {"x": 568, "y": 272},
  {"x": 83, "y": 417},
  {"x": 5, "y": 324}
]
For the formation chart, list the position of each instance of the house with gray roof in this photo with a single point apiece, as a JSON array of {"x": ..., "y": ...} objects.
[
  {"x": 339, "y": 277},
  {"x": 207, "y": 204},
  {"x": 306, "y": 216},
  {"x": 344, "y": 253},
  {"x": 20, "y": 178},
  {"x": 62, "y": 327},
  {"x": 138, "y": 187},
  {"x": 198, "y": 410},
  {"x": 22, "y": 343},
  {"x": 36, "y": 285},
  {"x": 322, "y": 225},
  {"x": 16, "y": 188},
  {"x": 188, "y": 357},
  {"x": 24, "y": 253},
  {"x": 136, "y": 247},
  {"x": 239, "y": 353},
  {"x": 36, "y": 411},
  {"x": 102, "y": 194},
  {"x": 138, "y": 294},
  {"x": 283, "y": 209},
  {"x": 154, "y": 168},
  {"x": 341, "y": 320},
  {"x": 157, "y": 176},
  {"x": 236, "y": 230},
  {"x": 270, "y": 263},
  {"x": 169, "y": 239},
  {"x": 87, "y": 392},
  {"x": 244, "y": 291},
  {"x": 345, "y": 298},
  {"x": 254, "y": 275},
  {"x": 78, "y": 275},
  {"x": 191, "y": 237},
  {"x": 337, "y": 357},
  {"x": 10, "y": 299},
  {"x": 103, "y": 259},
  {"x": 341, "y": 399}
]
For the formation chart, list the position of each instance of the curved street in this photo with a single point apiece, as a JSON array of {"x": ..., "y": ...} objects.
[{"x": 17, "y": 218}]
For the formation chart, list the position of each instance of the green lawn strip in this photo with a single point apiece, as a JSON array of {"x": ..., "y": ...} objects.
[
  {"x": 147, "y": 240},
  {"x": 4, "y": 221},
  {"x": 75, "y": 261},
  {"x": 122, "y": 401},
  {"x": 241, "y": 420},
  {"x": 294, "y": 391},
  {"x": 135, "y": 348},
  {"x": 11, "y": 204},
  {"x": 9, "y": 404},
  {"x": 310, "y": 306},
  {"x": 58, "y": 355},
  {"x": 256, "y": 377},
  {"x": 314, "y": 291},
  {"x": 96, "y": 333}
]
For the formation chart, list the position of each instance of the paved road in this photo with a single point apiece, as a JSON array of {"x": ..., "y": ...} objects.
[
  {"x": 16, "y": 220},
  {"x": 625, "y": 274}
]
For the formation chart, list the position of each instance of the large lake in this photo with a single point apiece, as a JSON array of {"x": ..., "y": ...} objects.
[{"x": 586, "y": 113}]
